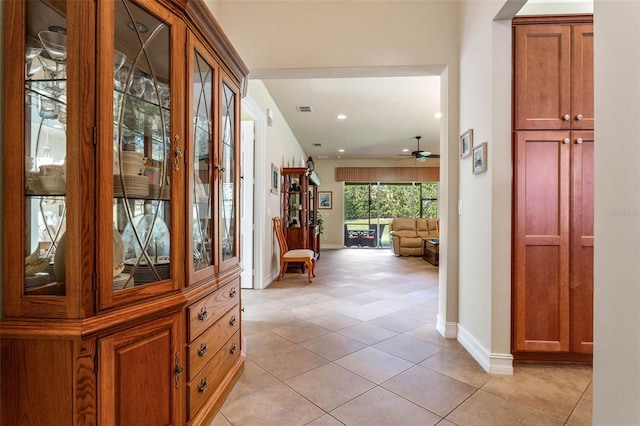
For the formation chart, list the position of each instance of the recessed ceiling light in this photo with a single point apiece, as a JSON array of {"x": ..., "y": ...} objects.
[
  {"x": 341, "y": 150},
  {"x": 405, "y": 150},
  {"x": 437, "y": 115},
  {"x": 341, "y": 117}
]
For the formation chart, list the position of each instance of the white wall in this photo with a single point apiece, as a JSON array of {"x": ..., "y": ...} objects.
[
  {"x": 276, "y": 35},
  {"x": 484, "y": 237},
  {"x": 283, "y": 150},
  {"x": 617, "y": 213}
]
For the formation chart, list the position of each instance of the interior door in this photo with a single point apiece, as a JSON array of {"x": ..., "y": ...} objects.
[{"x": 246, "y": 206}]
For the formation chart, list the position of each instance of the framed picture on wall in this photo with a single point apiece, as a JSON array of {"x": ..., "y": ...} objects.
[
  {"x": 324, "y": 200},
  {"x": 480, "y": 158},
  {"x": 275, "y": 179},
  {"x": 466, "y": 143}
]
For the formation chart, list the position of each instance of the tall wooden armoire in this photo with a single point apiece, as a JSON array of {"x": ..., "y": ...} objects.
[{"x": 553, "y": 189}]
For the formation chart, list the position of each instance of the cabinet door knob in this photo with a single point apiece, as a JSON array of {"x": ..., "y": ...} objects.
[
  {"x": 566, "y": 117},
  {"x": 178, "y": 370},
  {"x": 579, "y": 117},
  {"x": 579, "y": 141},
  {"x": 566, "y": 140}
]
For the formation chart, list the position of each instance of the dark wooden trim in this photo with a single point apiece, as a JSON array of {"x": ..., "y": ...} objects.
[
  {"x": 553, "y": 19},
  {"x": 387, "y": 174},
  {"x": 552, "y": 358}
]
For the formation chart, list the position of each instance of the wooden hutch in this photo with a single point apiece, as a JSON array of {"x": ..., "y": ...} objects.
[
  {"x": 300, "y": 208},
  {"x": 121, "y": 270}
]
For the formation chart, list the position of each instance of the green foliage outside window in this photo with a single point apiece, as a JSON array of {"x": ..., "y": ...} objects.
[{"x": 364, "y": 201}]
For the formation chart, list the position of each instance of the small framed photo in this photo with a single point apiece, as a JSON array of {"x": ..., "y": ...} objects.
[
  {"x": 324, "y": 200},
  {"x": 466, "y": 143},
  {"x": 480, "y": 158},
  {"x": 275, "y": 179}
]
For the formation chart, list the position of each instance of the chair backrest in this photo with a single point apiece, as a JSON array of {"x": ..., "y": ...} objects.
[{"x": 282, "y": 242}]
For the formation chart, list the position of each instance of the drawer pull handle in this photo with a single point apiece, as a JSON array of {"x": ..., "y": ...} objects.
[
  {"x": 232, "y": 321},
  {"x": 232, "y": 293},
  {"x": 203, "y": 350},
  {"x": 202, "y": 316},
  {"x": 233, "y": 349},
  {"x": 202, "y": 388}
]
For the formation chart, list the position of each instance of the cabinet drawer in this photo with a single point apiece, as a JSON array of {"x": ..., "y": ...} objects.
[
  {"x": 209, "y": 343},
  {"x": 204, "y": 384},
  {"x": 208, "y": 310}
]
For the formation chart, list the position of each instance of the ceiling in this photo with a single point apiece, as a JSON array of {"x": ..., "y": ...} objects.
[{"x": 384, "y": 114}]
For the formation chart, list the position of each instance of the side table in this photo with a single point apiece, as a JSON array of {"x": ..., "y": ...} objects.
[{"x": 432, "y": 251}]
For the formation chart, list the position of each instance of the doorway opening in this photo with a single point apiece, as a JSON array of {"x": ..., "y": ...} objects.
[{"x": 369, "y": 209}]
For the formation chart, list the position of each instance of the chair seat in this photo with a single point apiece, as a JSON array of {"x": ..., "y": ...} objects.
[{"x": 297, "y": 253}]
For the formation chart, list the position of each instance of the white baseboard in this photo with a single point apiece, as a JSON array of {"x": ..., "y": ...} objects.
[
  {"x": 448, "y": 330},
  {"x": 492, "y": 363},
  {"x": 330, "y": 247}
]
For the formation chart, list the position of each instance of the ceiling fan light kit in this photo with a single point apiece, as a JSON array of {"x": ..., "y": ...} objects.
[{"x": 420, "y": 156}]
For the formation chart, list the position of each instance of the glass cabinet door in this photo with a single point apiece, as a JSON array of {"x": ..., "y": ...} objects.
[
  {"x": 201, "y": 223},
  {"x": 142, "y": 157},
  {"x": 228, "y": 175},
  {"x": 45, "y": 148}
]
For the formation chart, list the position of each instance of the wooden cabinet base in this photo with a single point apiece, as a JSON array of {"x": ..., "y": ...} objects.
[
  {"x": 552, "y": 358},
  {"x": 209, "y": 409}
]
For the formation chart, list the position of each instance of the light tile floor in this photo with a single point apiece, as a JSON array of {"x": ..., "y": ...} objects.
[{"x": 358, "y": 346}]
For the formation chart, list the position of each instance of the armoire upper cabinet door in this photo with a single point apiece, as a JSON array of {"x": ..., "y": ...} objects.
[
  {"x": 201, "y": 135},
  {"x": 542, "y": 86},
  {"x": 582, "y": 80}
]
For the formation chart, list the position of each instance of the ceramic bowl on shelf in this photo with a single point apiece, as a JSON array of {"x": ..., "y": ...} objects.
[
  {"x": 133, "y": 156},
  {"x": 52, "y": 169},
  {"x": 132, "y": 167},
  {"x": 53, "y": 184}
]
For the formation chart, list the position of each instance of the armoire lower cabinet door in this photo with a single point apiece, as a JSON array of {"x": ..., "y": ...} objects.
[
  {"x": 541, "y": 250},
  {"x": 582, "y": 242},
  {"x": 140, "y": 375}
]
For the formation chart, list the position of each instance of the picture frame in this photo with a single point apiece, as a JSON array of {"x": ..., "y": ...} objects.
[
  {"x": 275, "y": 179},
  {"x": 479, "y": 162},
  {"x": 324, "y": 200},
  {"x": 466, "y": 143}
]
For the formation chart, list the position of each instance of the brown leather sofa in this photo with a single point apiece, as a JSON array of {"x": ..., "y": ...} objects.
[{"x": 408, "y": 235}]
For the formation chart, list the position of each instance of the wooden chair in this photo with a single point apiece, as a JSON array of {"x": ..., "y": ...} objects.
[{"x": 306, "y": 256}]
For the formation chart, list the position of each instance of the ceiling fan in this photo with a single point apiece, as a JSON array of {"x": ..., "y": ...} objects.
[{"x": 419, "y": 155}]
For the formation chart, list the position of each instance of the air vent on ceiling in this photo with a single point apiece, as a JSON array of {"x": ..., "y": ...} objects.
[
  {"x": 317, "y": 144},
  {"x": 304, "y": 109}
]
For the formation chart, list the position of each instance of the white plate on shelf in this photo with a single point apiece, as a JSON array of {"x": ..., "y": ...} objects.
[{"x": 141, "y": 226}]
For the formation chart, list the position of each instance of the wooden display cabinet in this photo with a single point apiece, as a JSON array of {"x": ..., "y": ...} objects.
[
  {"x": 112, "y": 156},
  {"x": 300, "y": 208}
]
